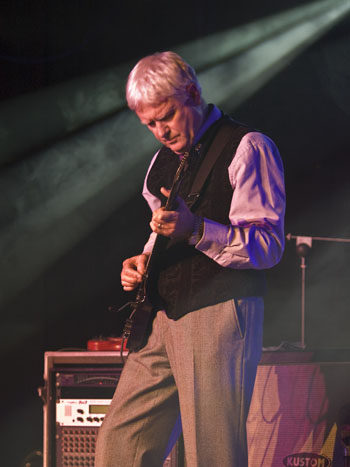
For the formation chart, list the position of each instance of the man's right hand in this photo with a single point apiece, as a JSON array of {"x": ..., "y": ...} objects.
[{"x": 133, "y": 271}]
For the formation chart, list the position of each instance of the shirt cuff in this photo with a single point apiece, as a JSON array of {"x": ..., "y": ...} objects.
[
  {"x": 214, "y": 239},
  {"x": 197, "y": 231}
]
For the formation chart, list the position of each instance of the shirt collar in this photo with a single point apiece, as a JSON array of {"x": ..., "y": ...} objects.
[{"x": 214, "y": 115}]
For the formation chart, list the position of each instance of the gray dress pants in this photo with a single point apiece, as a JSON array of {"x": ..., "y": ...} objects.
[{"x": 203, "y": 366}]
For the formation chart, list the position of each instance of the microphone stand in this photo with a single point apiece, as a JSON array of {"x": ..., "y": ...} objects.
[
  {"x": 303, "y": 245},
  {"x": 345, "y": 440}
]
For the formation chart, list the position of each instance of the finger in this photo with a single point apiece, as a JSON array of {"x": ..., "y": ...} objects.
[
  {"x": 164, "y": 228},
  {"x": 142, "y": 264},
  {"x": 177, "y": 201},
  {"x": 128, "y": 286},
  {"x": 158, "y": 214},
  {"x": 130, "y": 272},
  {"x": 165, "y": 191},
  {"x": 158, "y": 227},
  {"x": 130, "y": 281}
]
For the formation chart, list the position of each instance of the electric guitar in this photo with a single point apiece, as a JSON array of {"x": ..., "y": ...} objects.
[{"x": 137, "y": 327}]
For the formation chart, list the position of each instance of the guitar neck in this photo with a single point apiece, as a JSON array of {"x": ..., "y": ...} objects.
[
  {"x": 169, "y": 205},
  {"x": 137, "y": 326}
]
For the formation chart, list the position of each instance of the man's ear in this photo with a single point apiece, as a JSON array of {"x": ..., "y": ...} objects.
[{"x": 194, "y": 96}]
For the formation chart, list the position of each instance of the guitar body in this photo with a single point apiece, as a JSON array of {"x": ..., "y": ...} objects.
[{"x": 137, "y": 326}]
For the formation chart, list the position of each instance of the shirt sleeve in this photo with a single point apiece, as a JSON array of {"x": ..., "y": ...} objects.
[
  {"x": 255, "y": 237},
  {"x": 154, "y": 203},
  {"x": 150, "y": 243}
]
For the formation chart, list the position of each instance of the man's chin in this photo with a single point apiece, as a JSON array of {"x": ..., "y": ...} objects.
[{"x": 177, "y": 148}]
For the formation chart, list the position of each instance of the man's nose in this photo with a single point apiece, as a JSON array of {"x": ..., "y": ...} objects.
[{"x": 162, "y": 130}]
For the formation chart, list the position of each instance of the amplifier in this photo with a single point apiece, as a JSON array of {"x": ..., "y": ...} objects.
[
  {"x": 77, "y": 393},
  {"x": 81, "y": 412}
]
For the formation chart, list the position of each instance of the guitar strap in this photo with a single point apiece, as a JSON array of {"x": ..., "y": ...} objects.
[{"x": 222, "y": 137}]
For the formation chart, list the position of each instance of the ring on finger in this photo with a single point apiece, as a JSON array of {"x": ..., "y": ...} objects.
[{"x": 159, "y": 226}]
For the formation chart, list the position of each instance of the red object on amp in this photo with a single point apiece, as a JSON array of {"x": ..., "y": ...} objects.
[{"x": 107, "y": 343}]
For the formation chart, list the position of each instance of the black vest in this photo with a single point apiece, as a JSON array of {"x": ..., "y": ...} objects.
[{"x": 183, "y": 279}]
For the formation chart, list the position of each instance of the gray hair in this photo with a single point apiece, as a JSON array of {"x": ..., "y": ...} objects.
[{"x": 157, "y": 77}]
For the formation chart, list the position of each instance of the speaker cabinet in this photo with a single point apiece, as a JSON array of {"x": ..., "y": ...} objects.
[
  {"x": 297, "y": 413},
  {"x": 77, "y": 393}
]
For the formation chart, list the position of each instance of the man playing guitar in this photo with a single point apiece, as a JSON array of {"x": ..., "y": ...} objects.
[{"x": 206, "y": 283}]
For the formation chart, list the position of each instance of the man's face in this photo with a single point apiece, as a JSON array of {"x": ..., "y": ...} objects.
[{"x": 174, "y": 124}]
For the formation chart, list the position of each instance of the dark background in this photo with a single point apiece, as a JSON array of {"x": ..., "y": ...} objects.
[{"x": 305, "y": 108}]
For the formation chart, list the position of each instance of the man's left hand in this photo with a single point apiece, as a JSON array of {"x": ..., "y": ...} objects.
[{"x": 178, "y": 224}]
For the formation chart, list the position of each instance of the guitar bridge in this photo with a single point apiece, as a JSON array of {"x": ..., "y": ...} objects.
[{"x": 127, "y": 328}]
